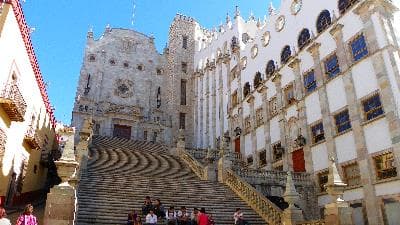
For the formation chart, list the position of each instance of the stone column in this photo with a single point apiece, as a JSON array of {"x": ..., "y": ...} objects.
[
  {"x": 391, "y": 109},
  {"x": 267, "y": 127},
  {"x": 355, "y": 112},
  {"x": 201, "y": 123},
  {"x": 213, "y": 133},
  {"x": 82, "y": 148},
  {"x": 61, "y": 201},
  {"x": 281, "y": 118},
  {"x": 207, "y": 102},
  {"x": 250, "y": 100},
  {"x": 221, "y": 101},
  {"x": 196, "y": 109},
  {"x": 224, "y": 161},
  {"x": 323, "y": 100},
  {"x": 241, "y": 98}
]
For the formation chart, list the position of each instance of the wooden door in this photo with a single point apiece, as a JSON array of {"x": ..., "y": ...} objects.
[
  {"x": 299, "y": 164},
  {"x": 237, "y": 145},
  {"x": 122, "y": 131}
]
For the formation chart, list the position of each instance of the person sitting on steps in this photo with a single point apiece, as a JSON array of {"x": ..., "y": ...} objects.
[
  {"x": 132, "y": 218},
  {"x": 146, "y": 206},
  {"x": 193, "y": 216},
  {"x": 27, "y": 217},
  {"x": 3, "y": 219},
  {"x": 151, "y": 218},
  {"x": 183, "y": 216},
  {"x": 238, "y": 216},
  {"x": 159, "y": 209},
  {"x": 138, "y": 221},
  {"x": 170, "y": 215}
]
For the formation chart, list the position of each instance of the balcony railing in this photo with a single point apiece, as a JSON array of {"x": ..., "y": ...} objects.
[
  {"x": 32, "y": 138},
  {"x": 273, "y": 177},
  {"x": 13, "y": 103}
]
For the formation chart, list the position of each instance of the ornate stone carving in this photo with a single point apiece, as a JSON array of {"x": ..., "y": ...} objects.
[{"x": 123, "y": 88}]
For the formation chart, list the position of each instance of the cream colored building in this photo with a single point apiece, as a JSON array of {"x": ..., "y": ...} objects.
[
  {"x": 26, "y": 117},
  {"x": 311, "y": 81},
  {"x": 316, "y": 80}
]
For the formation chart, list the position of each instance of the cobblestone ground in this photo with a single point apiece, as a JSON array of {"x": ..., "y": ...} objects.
[{"x": 38, "y": 212}]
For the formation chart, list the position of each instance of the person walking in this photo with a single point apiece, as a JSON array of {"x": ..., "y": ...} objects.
[
  {"x": 3, "y": 219},
  {"x": 27, "y": 217}
]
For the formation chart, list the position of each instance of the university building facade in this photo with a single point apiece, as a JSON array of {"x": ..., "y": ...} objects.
[{"x": 315, "y": 81}]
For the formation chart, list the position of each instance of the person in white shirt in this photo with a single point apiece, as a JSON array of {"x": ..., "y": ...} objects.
[
  {"x": 151, "y": 218},
  {"x": 3, "y": 219},
  {"x": 238, "y": 216},
  {"x": 171, "y": 215}
]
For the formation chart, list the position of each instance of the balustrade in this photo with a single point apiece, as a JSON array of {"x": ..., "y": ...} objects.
[
  {"x": 265, "y": 208},
  {"x": 273, "y": 177},
  {"x": 13, "y": 103},
  {"x": 317, "y": 222},
  {"x": 32, "y": 137},
  {"x": 197, "y": 168}
]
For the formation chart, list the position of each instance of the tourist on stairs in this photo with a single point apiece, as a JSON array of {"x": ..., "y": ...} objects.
[
  {"x": 238, "y": 216},
  {"x": 151, "y": 218},
  {"x": 183, "y": 216},
  {"x": 202, "y": 218},
  {"x": 159, "y": 209},
  {"x": 146, "y": 206},
  {"x": 132, "y": 218},
  {"x": 27, "y": 218},
  {"x": 171, "y": 215},
  {"x": 194, "y": 216},
  {"x": 138, "y": 221},
  {"x": 3, "y": 219}
]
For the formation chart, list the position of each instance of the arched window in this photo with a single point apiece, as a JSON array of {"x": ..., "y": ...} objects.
[
  {"x": 324, "y": 20},
  {"x": 270, "y": 70},
  {"x": 257, "y": 80},
  {"x": 285, "y": 54},
  {"x": 246, "y": 89},
  {"x": 304, "y": 38},
  {"x": 158, "y": 97},
  {"x": 344, "y": 5}
]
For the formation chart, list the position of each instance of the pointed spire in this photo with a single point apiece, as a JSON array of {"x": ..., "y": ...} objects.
[
  {"x": 237, "y": 12},
  {"x": 335, "y": 186},
  {"x": 108, "y": 28},
  {"x": 259, "y": 23},
  {"x": 271, "y": 8},
  {"x": 90, "y": 33},
  {"x": 291, "y": 196},
  {"x": 251, "y": 17},
  {"x": 228, "y": 18}
]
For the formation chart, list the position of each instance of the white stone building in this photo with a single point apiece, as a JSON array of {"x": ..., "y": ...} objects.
[{"x": 314, "y": 80}]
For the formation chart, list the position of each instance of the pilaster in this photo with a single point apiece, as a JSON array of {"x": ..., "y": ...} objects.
[
  {"x": 213, "y": 132},
  {"x": 253, "y": 131},
  {"x": 355, "y": 110},
  {"x": 267, "y": 133}
]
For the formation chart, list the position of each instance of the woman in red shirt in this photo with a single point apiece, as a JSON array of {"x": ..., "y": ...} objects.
[{"x": 202, "y": 218}]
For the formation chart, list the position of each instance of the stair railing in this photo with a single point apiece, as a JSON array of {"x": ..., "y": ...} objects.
[
  {"x": 259, "y": 203},
  {"x": 316, "y": 222},
  {"x": 196, "y": 166}
]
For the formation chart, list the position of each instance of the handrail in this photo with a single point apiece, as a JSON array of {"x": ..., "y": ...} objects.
[
  {"x": 196, "y": 167},
  {"x": 264, "y": 207},
  {"x": 271, "y": 176}
]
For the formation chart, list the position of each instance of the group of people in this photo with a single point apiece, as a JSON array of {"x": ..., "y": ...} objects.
[
  {"x": 155, "y": 212},
  {"x": 26, "y": 218}
]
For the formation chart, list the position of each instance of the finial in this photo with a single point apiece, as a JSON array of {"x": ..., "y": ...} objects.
[
  {"x": 90, "y": 33},
  {"x": 271, "y": 8},
  {"x": 228, "y": 18},
  {"x": 251, "y": 17},
  {"x": 291, "y": 196},
  {"x": 258, "y": 22},
  {"x": 108, "y": 28},
  {"x": 237, "y": 12}
]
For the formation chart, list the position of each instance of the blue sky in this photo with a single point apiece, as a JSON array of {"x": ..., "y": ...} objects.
[{"x": 61, "y": 27}]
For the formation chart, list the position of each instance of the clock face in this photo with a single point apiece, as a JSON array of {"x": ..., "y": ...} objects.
[
  {"x": 265, "y": 38},
  {"x": 280, "y": 23},
  {"x": 296, "y": 6}
]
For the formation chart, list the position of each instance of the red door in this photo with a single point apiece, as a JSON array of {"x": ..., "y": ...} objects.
[
  {"x": 299, "y": 164},
  {"x": 122, "y": 131},
  {"x": 237, "y": 145}
]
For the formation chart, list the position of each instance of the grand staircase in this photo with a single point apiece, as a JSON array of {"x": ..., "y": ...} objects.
[{"x": 121, "y": 173}]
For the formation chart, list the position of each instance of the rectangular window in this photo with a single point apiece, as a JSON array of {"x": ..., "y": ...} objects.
[
  {"x": 250, "y": 159},
  {"x": 310, "y": 84},
  {"x": 289, "y": 95},
  {"x": 372, "y": 107},
  {"x": 352, "y": 175},
  {"x": 332, "y": 66},
  {"x": 183, "y": 92},
  {"x": 184, "y": 41},
  {"x": 385, "y": 166},
  {"x": 263, "y": 158},
  {"x": 359, "y": 48},
  {"x": 322, "y": 180},
  {"x": 277, "y": 151},
  {"x": 317, "y": 131},
  {"x": 259, "y": 117},
  {"x": 184, "y": 67},
  {"x": 273, "y": 106},
  {"x": 234, "y": 99},
  {"x": 247, "y": 125},
  {"x": 342, "y": 121},
  {"x": 145, "y": 135},
  {"x": 182, "y": 120}
]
